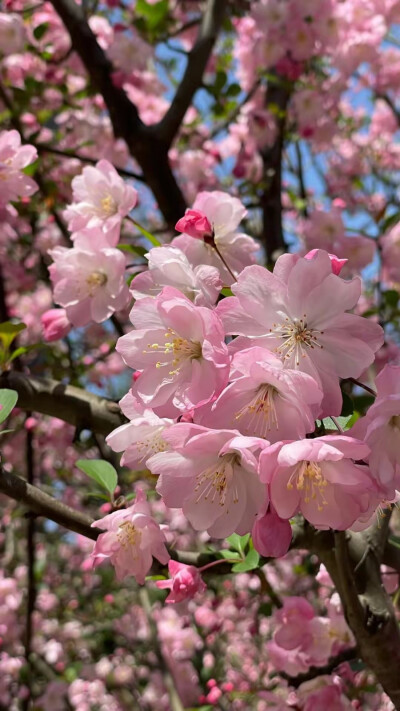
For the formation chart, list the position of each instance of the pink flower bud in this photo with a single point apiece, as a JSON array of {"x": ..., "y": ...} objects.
[
  {"x": 336, "y": 263},
  {"x": 195, "y": 224},
  {"x": 55, "y": 324},
  {"x": 272, "y": 535},
  {"x": 184, "y": 583}
]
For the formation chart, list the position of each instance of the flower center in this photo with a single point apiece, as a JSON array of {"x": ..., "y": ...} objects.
[
  {"x": 261, "y": 411},
  {"x": 178, "y": 349},
  {"x": 214, "y": 482},
  {"x": 296, "y": 337},
  {"x": 308, "y": 477},
  {"x": 95, "y": 280},
  {"x": 151, "y": 445},
  {"x": 395, "y": 422},
  {"x": 108, "y": 206},
  {"x": 128, "y": 535}
]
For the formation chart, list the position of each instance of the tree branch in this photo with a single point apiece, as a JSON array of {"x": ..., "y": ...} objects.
[
  {"x": 345, "y": 656},
  {"x": 145, "y": 143},
  {"x": 196, "y": 65},
  {"x": 80, "y": 408}
]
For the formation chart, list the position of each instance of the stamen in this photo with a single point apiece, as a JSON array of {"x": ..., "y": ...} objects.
[
  {"x": 108, "y": 206},
  {"x": 179, "y": 349},
  {"x": 261, "y": 411},
  {"x": 215, "y": 483},
  {"x": 308, "y": 477},
  {"x": 296, "y": 336},
  {"x": 128, "y": 535},
  {"x": 95, "y": 280}
]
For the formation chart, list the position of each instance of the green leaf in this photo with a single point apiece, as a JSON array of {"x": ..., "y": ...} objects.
[
  {"x": 3, "y": 432},
  {"x": 40, "y": 30},
  {"x": 101, "y": 471},
  {"x": 238, "y": 543},
  {"x": 134, "y": 249},
  {"x": 8, "y": 400},
  {"x": 9, "y": 331},
  {"x": 390, "y": 221},
  {"x": 154, "y": 14},
  {"x": 249, "y": 563},
  {"x": 344, "y": 422},
  {"x": 154, "y": 241},
  {"x": 391, "y": 297},
  {"x": 226, "y": 291},
  {"x": 229, "y": 554}
]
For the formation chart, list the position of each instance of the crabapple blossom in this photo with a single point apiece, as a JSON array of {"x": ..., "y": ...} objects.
[
  {"x": 55, "y": 324},
  {"x": 224, "y": 214},
  {"x": 212, "y": 476},
  {"x": 131, "y": 539},
  {"x": 141, "y": 437},
  {"x": 88, "y": 283},
  {"x": 12, "y": 33},
  {"x": 185, "y": 582},
  {"x": 299, "y": 312},
  {"x": 195, "y": 224},
  {"x": 380, "y": 429},
  {"x": 101, "y": 198},
  {"x": 271, "y": 534},
  {"x": 13, "y": 159},
  {"x": 265, "y": 399},
  {"x": 169, "y": 266},
  {"x": 318, "y": 478},
  {"x": 181, "y": 350}
]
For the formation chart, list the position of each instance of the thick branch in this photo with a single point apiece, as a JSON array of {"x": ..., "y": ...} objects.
[
  {"x": 145, "y": 143},
  {"x": 196, "y": 65},
  {"x": 271, "y": 200},
  {"x": 80, "y": 408},
  {"x": 44, "y": 505}
]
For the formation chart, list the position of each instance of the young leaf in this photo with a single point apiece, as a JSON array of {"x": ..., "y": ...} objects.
[
  {"x": 239, "y": 543},
  {"x": 101, "y": 471},
  {"x": 8, "y": 399},
  {"x": 249, "y": 563},
  {"x": 9, "y": 331}
]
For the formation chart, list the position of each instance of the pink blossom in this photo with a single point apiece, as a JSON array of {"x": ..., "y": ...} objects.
[
  {"x": 88, "y": 283},
  {"x": 195, "y": 224},
  {"x": 185, "y": 582},
  {"x": 100, "y": 198},
  {"x": 131, "y": 540},
  {"x": 380, "y": 429},
  {"x": 181, "y": 350},
  {"x": 318, "y": 478},
  {"x": 169, "y": 266},
  {"x": 13, "y": 159},
  {"x": 271, "y": 535},
  {"x": 299, "y": 312},
  {"x": 12, "y": 33},
  {"x": 55, "y": 324},
  {"x": 337, "y": 264},
  {"x": 224, "y": 214},
  {"x": 141, "y": 437},
  {"x": 264, "y": 399},
  {"x": 212, "y": 476}
]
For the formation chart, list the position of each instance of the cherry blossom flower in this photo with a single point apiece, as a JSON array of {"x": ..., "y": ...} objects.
[
  {"x": 100, "y": 198},
  {"x": 12, "y": 33},
  {"x": 224, "y": 213},
  {"x": 264, "y": 399},
  {"x": 318, "y": 478},
  {"x": 212, "y": 476},
  {"x": 13, "y": 159},
  {"x": 271, "y": 535},
  {"x": 380, "y": 429},
  {"x": 131, "y": 539},
  {"x": 169, "y": 266},
  {"x": 55, "y": 324},
  {"x": 88, "y": 283},
  {"x": 185, "y": 582},
  {"x": 195, "y": 224},
  {"x": 181, "y": 350},
  {"x": 141, "y": 437},
  {"x": 299, "y": 312}
]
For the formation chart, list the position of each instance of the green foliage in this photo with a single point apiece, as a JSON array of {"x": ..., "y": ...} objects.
[
  {"x": 100, "y": 471},
  {"x": 250, "y": 562},
  {"x": 8, "y": 400}
]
